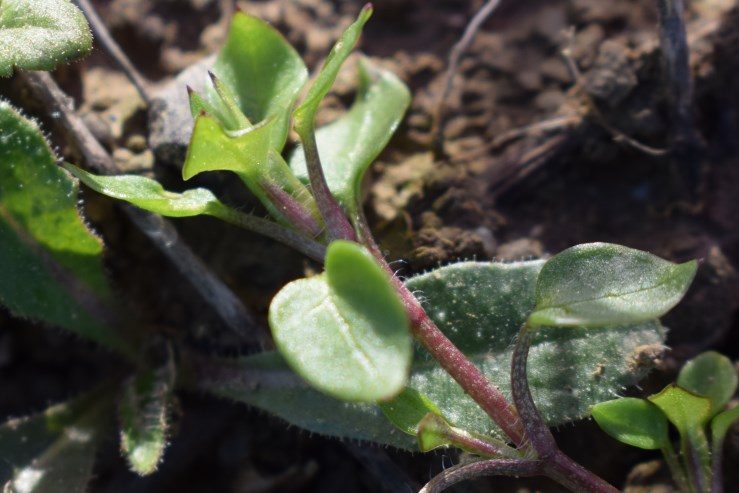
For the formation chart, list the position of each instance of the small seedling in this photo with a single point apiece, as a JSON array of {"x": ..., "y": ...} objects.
[
  {"x": 359, "y": 354},
  {"x": 695, "y": 406}
]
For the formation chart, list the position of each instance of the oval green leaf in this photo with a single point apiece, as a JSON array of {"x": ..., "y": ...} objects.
[
  {"x": 345, "y": 331},
  {"x": 599, "y": 284},
  {"x": 41, "y": 34},
  {"x": 52, "y": 261},
  {"x": 348, "y": 145},
  {"x": 635, "y": 422},
  {"x": 710, "y": 374}
]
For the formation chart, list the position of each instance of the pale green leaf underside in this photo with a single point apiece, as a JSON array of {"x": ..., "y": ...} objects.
[
  {"x": 345, "y": 331},
  {"x": 685, "y": 410},
  {"x": 144, "y": 415},
  {"x": 600, "y": 284},
  {"x": 52, "y": 451},
  {"x": 40, "y": 34},
  {"x": 52, "y": 263},
  {"x": 349, "y": 145},
  {"x": 635, "y": 422},
  {"x": 149, "y": 194}
]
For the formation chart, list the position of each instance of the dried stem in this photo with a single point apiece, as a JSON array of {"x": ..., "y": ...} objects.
[
  {"x": 454, "y": 58},
  {"x": 143, "y": 86}
]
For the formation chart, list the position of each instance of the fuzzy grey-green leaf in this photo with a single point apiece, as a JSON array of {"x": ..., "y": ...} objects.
[
  {"x": 40, "y": 34},
  {"x": 481, "y": 306}
]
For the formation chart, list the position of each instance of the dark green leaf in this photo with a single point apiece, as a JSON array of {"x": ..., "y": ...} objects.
[
  {"x": 481, "y": 306},
  {"x": 599, "y": 284},
  {"x": 305, "y": 114},
  {"x": 144, "y": 415},
  {"x": 712, "y": 375},
  {"x": 55, "y": 450},
  {"x": 349, "y": 145},
  {"x": 265, "y": 381},
  {"x": 635, "y": 422},
  {"x": 41, "y": 34},
  {"x": 346, "y": 331},
  {"x": 407, "y": 409},
  {"x": 50, "y": 261}
]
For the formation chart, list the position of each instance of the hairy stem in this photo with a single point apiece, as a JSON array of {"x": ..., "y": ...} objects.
[
  {"x": 460, "y": 368},
  {"x": 493, "y": 467},
  {"x": 573, "y": 476},
  {"x": 535, "y": 429}
]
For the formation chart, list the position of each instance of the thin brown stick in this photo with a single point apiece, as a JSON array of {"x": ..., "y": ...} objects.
[
  {"x": 617, "y": 135},
  {"x": 143, "y": 86},
  {"x": 159, "y": 230},
  {"x": 452, "y": 66}
]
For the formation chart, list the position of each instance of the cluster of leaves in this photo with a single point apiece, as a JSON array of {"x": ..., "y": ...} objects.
[
  {"x": 694, "y": 404},
  {"x": 346, "y": 363}
]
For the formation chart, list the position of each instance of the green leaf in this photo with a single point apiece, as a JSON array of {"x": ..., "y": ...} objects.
[
  {"x": 434, "y": 432},
  {"x": 51, "y": 262},
  {"x": 481, "y": 306},
  {"x": 712, "y": 375},
  {"x": 600, "y": 284},
  {"x": 41, "y": 34},
  {"x": 722, "y": 422},
  {"x": 686, "y": 410},
  {"x": 248, "y": 154},
  {"x": 55, "y": 450},
  {"x": 349, "y": 145},
  {"x": 262, "y": 71},
  {"x": 148, "y": 194},
  {"x": 305, "y": 114},
  {"x": 635, "y": 422},
  {"x": 144, "y": 415},
  {"x": 265, "y": 381},
  {"x": 407, "y": 409},
  {"x": 346, "y": 331}
]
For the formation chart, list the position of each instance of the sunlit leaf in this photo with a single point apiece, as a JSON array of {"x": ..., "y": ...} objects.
[
  {"x": 305, "y": 114},
  {"x": 600, "y": 284},
  {"x": 349, "y": 145},
  {"x": 635, "y": 422},
  {"x": 50, "y": 262},
  {"x": 346, "y": 331},
  {"x": 41, "y": 34},
  {"x": 262, "y": 71}
]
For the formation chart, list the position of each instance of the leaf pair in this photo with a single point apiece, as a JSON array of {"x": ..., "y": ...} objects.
[{"x": 704, "y": 387}]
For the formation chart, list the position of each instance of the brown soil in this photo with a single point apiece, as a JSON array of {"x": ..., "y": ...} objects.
[{"x": 531, "y": 162}]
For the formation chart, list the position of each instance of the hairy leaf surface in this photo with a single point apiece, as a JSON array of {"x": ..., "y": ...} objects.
[
  {"x": 41, "y": 34},
  {"x": 50, "y": 262}
]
